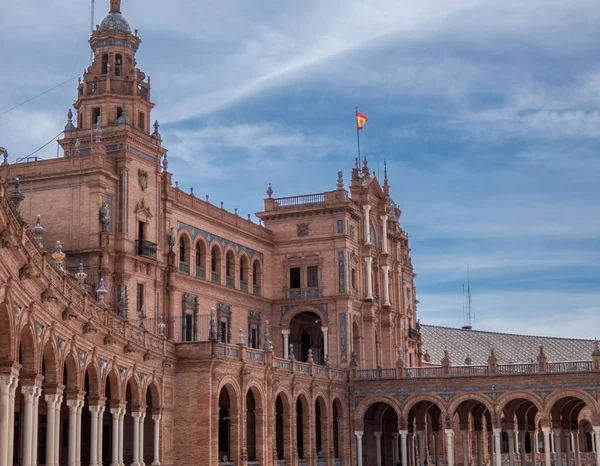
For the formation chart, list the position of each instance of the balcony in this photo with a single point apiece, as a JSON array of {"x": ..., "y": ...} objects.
[
  {"x": 414, "y": 333},
  {"x": 215, "y": 277},
  {"x": 301, "y": 293},
  {"x": 184, "y": 268},
  {"x": 229, "y": 282},
  {"x": 244, "y": 286},
  {"x": 200, "y": 273},
  {"x": 256, "y": 290},
  {"x": 145, "y": 248}
]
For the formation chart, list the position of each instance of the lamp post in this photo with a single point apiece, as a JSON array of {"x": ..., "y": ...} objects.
[
  {"x": 81, "y": 276},
  {"x": 59, "y": 256},
  {"x": 101, "y": 292}
]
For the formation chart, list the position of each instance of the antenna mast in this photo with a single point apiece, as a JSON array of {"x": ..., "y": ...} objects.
[
  {"x": 92, "y": 27},
  {"x": 467, "y": 308}
]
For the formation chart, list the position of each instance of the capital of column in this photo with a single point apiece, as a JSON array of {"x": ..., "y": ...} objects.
[
  {"x": 596, "y": 429},
  {"x": 156, "y": 417},
  {"x": 449, "y": 433},
  {"x": 285, "y": 332},
  {"x": 29, "y": 393},
  {"x": 464, "y": 433},
  {"x": 377, "y": 434},
  {"x": 368, "y": 260},
  {"x": 366, "y": 207},
  {"x": 384, "y": 218},
  {"x": 95, "y": 409},
  {"x": 497, "y": 431},
  {"x": 510, "y": 432},
  {"x": 324, "y": 330},
  {"x": 403, "y": 432},
  {"x": 75, "y": 404},
  {"x": 8, "y": 382},
  {"x": 359, "y": 433},
  {"x": 546, "y": 430}
]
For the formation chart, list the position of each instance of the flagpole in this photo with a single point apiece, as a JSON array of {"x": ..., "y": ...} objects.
[{"x": 357, "y": 132}]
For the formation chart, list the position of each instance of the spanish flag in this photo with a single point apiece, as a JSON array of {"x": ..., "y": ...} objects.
[{"x": 360, "y": 120}]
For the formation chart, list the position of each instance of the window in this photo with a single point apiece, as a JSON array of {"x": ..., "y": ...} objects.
[
  {"x": 353, "y": 279},
  {"x": 181, "y": 250},
  {"x": 140, "y": 297},
  {"x": 188, "y": 327},
  {"x": 96, "y": 114},
  {"x": 105, "y": 63},
  {"x": 295, "y": 277},
  {"x": 118, "y": 65},
  {"x": 141, "y": 118},
  {"x": 253, "y": 337},
  {"x": 119, "y": 112},
  {"x": 312, "y": 275},
  {"x": 223, "y": 332}
]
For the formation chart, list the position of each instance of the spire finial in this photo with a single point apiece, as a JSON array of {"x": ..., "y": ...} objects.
[
  {"x": 340, "y": 180},
  {"x": 365, "y": 168},
  {"x": 385, "y": 178},
  {"x": 115, "y": 6},
  {"x": 69, "y": 126},
  {"x": 270, "y": 191}
]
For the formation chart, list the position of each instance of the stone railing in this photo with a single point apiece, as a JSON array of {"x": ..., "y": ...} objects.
[
  {"x": 376, "y": 374},
  {"x": 294, "y": 201},
  {"x": 567, "y": 367}
]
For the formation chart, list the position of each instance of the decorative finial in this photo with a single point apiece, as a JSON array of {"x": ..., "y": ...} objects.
[
  {"x": 59, "y": 256},
  {"x": 249, "y": 218},
  {"x": 267, "y": 343},
  {"x": 165, "y": 163},
  {"x": 101, "y": 292},
  {"x": 38, "y": 231},
  {"x": 123, "y": 118},
  {"x": 156, "y": 135},
  {"x": 192, "y": 192},
  {"x": 115, "y": 6},
  {"x": 17, "y": 196},
  {"x": 177, "y": 184},
  {"x": 81, "y": 276},
  {"x": 269, "y": 191},
  {"x": 161, "y": 327},
  {"x": 222, "y": 205},
  {"x": 541, "y": 353},
  {"x": 235, "y": 211},
  {"x": 206, "y": 197},
  {"x": 385, "y": 178},
  {"x": 310, "y": 356},
  {"x": 365, "y": 168},
  {"x": 291, "y": 352},
  {"x": 77, "y": 146},
  {"x": 340, "y": 180},
  {"x": 4, "y": 153},
  {"x": 69, "y": 126},
  {"x": 356, "y": 163},
  {"x": 241, "y": 341}
]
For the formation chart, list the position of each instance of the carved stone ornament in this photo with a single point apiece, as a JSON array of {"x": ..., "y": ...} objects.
[
  {"x": 142, "y": 208},
  {"x": 302, "y": 229},
  {"x": 143, "y": 179}
]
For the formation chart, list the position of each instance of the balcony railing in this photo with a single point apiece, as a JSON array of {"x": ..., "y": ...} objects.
[
  {"x": 229, "y": 282},
  {"x": 145, "y": 248},
  {"x": 516, "y": 369},
  {"x": 200, "y": 273},
  {"x": 299, "y": 200},
  {"x": 567, "y": 367},
  {"x": 215, "y": 277},
  {"x": 256, "y": 290},
  {"x": 423, "y": 372},
  {"x": 376, "y": 374},
  {"x": 184, "y": 268},
  {"x": 244, "y": 286}
]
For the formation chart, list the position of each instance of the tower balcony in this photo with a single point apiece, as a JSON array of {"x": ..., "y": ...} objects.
[{"x": 145, "y": 248}]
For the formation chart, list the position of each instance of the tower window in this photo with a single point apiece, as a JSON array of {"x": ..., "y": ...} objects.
[
  {"x": 95, "y": 115},
  {"x": 118, "y": 65},
  {"x": 295, "y": 277},
  {"x": 119, "y": 112},
  {"x": 141, "y": 119},
  {"x": 105, "y": 63},
  {"x": 312, "y": 276}
]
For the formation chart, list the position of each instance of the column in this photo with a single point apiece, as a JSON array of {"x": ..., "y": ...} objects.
[
  {"x": 27, "y": 393},
  {"x": 568, "y": 449},
  {"x": 359, "y": 453},
  {"x": 547, "y": 459},
  {"x": 497, "y": 447},
  {"x": 436, "y": 444},
  {"x": 384, "y": 242},
  {"x": 511, "y": 446},
  {"x": 576, "y": 451},
  {"x": 156, "y": 419},
  {"x": 450, "y": 446},
  {"x": 534, "y": 437},
  {"x": 142, "y": 430},
  {"x": 36, "y": 418},
  {"x": 122, "y": 412},
  {"x": 366, "y": 224},
  {"x": 99, "y": 453},
  {"x": 596, "y": 442},
  {"x": 378, "y": 447},
  {"x": 51, "y": 403},
  {"x": 94, "y": 410},
  {"x": 522, "y": 449},
  {"x": 491, "y": 447},
  {"x": 73, "y": 440},
  {"x": 465, "y": 446},
  {"x": 421, "y": 447},
  {"x": 116, "y": 412},
  {"x": 386, "y": 285},
  {"x": 558, "y": 447},
  {"x": 286, "y": 345},
  {"x": 5, "y": 416},
  {"x": 11, "y": 423},
  {"x": 394, "y": 448},
  {"x": 369, "y": 276},
  {"x": 57, "y": 431},
  {"x": 78, "y": 444},
  {"x": 479, "y": 442},
  {"x": 325, "y": 331},
  {"x": 404, "y": 446},
  {"x": 136, "y": 438}
]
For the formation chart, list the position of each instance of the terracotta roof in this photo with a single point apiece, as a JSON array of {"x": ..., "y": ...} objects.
[{"x": 508, "y": 348}]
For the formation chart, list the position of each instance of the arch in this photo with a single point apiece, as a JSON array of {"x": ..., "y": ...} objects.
[
  {"x": 201, "y": 254},
  {"x": 413, "y": 400},
  {"x": 154, "y": 391},
  {"x": 282, "y": 420},
  {"x": 255, "y": 424},
  {"x": 118, "y": 64},
  {"x": 297, "y": 310},
  {"x": 28, "y": 352},
  {"x": 71, "y": 376},
  {"x": 559, "y": 395},
  {"x": 504, "y": 399},
  {"x": 216, "y": 255},
  {"x": 256, "y": 275},
  {"x": 111, "y": 382},
  {"x": 229, "y": 263},
  {"x": 50, "y": 367},
  {"x": 105, "y": 63},
  {"x": 244, "y": 271},
  {"x": 230, "y": 383},
  {"x": 184, "y": 247},
  {"x": 133, "y": 384},
  {"x": 459, "y": 400},
  {"x": 321, "y": 417},
  {"x": 337, "y": 413},
  {"x": 93, "y": 374},
  {"x": 7, "y": 342},
  {"x": 366, "y": 403}
]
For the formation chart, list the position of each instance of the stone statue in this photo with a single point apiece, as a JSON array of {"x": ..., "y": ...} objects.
[
  {"x": 171, "y": 237},
  {"x": 105, "y": 216}
]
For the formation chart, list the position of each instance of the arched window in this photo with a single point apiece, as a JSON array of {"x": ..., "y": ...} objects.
[
  {"x": 200, "y": 260},
  {"x": 244, "y": 273},
  {"x": 184, "y": 253},
  {"x": 105, "y": 63},
  {"x": 230, "y": 269},
  {"x": 256, "y": 277},
  {"x": 215, "y": 264},
  {"x": 118, "y": 65}
]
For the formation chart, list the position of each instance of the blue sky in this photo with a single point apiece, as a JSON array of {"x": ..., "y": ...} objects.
[{"x": 488, "y": 114}]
